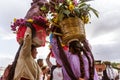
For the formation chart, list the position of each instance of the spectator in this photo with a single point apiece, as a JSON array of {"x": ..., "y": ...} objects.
[
  {"x": 100, "y": 74},
  {"x": 45, "y": 74},
  {"x": 40, "y": 62},
  {"x": 55, "y": 70},
  {"x": 110, "y": 73}
]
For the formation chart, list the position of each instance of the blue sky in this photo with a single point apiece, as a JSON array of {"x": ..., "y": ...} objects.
[{"x": 103, "y": 32}]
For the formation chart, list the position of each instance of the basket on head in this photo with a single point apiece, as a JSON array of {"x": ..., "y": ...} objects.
[{"x": 72, "y": 29}]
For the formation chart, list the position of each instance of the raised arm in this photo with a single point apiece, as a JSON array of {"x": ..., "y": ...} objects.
[
  {"x": 27, "y": 42},
  {"x": 48, "y": 61}
]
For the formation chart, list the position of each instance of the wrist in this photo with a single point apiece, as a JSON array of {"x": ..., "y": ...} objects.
[{"x": 28, "y": 30}]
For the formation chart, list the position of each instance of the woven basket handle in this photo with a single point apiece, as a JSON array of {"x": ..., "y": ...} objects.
[{"x": 59, "y": 34}]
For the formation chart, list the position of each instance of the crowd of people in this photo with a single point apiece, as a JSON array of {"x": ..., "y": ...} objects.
[
  {"x": 53, "y": 71},
  {"x": 109, "y": 73},
  {"x": 74, "y": 61}
]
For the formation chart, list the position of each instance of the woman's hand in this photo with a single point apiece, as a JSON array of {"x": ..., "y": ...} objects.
[
  {"x": 28, "y": 30},
  {"x": 81, "y": 79}
]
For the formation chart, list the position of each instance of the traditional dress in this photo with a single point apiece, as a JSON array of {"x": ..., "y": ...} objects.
[
  {"x": 74, "y": 62},
  {"x": 26, "y": 66}
]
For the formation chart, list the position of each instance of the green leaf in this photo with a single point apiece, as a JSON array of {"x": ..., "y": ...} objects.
[
  {"x": 94, "y": 11},
  {"x": 77, "y": 12},
  {"x": 82, "y": 4},
  {"x": 43, "y": 8},
  {"x": 67, "y": 12},
  {"x": 60, "y": 16}
]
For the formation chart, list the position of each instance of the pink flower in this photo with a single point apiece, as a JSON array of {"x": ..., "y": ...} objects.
[{"x": 75, "y": 2}]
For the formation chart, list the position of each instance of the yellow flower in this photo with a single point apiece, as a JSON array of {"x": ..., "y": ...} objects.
[
  {"x": 55, "y": 20},
  {"x": 30, "y": 20},
  {"x": 15, "y": 19},
  {"x": 85, "y": 19},
  {"x": 71, "y": 7}
]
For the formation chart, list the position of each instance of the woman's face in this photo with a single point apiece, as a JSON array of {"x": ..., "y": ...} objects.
[{"x": 34, "y": 53}]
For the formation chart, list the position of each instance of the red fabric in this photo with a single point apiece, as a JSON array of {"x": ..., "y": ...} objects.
[
  {"x": 52, "y": 55},
  {"x": 65, "y": 48},
  {"x": 40, "y": 34},
  {"x": 20, "y": 33}
]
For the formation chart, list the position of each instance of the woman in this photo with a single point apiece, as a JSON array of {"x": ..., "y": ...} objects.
[
  {"x": 24, "y": 66},
  {"x": 29, "y": 35},
  {"x": 110, "y": 73},
  {"x": 77, "y": 62},
  {"x": 55, "y": 70}
]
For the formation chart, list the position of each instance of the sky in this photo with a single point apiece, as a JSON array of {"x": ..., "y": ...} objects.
[{"x": 102, "y": 33}]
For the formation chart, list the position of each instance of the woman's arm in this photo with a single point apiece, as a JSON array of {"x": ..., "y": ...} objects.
[
  {"x": 48, "y": 61},
  {"x": 27, "y": 41}
]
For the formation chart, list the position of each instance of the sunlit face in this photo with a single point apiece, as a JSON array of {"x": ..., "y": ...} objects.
[
  {"x": 34, "y": 53},
  {"x": 40, "y": 63}
]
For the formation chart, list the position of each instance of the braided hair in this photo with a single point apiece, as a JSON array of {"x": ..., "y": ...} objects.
[
  {"x": 65, "y": 61},
  {"x": 91, "y": 65},
  {"x": 77, "y": 48},
  {"x": 12, "y": 69}
]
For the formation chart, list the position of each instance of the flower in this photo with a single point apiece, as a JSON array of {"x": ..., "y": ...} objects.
[
  {"x": 71, "y": 8},
  {"x": 30, "y": 20},
  {"x": 22, "y": 22}
]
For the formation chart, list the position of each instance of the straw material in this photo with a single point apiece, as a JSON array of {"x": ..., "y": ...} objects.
[{"x": 72, "y": 29}]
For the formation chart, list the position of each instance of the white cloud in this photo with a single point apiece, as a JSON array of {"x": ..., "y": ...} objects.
[
  {"x": 43, "y": 52},
  {"x": 104, "y": 39},
  {"x": 5, "y": 35},
  {"x": 8, "y": 37},
  {"x": 4, "y": 61}
]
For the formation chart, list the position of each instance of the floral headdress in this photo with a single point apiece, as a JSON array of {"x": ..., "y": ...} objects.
[
  {"x": 22, "y": 22},
  {"x": 61, "y": 9}
]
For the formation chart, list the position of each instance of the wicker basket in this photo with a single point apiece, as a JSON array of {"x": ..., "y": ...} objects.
[{"x": 72, "y": 29}]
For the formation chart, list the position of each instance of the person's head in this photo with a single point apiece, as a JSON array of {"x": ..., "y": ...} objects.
[
  {"x": 40, "y": 62},
  {"x": 34, "y": 51},
  {"x": 75, "y": 47},
  {"x": 45, "y": 69},
  {"x": 108, "y": 64}
]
